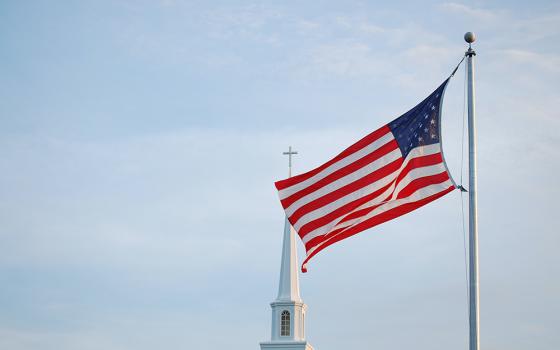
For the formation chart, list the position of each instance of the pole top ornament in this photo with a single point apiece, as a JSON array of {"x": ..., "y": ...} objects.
[{"x": 470, "y": 37}]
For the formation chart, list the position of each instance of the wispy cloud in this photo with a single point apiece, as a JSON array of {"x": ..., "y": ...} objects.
[
  {"x": 359, "y": 25},
  {"x": 549, "y": 63},
  {"x": 477, "y": 13},
  {"x": 346, "y": 59}
]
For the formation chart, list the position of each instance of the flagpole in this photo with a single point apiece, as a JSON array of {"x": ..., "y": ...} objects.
[{"x": 474, "y": 318}]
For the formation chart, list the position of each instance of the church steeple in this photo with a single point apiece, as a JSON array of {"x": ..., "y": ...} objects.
[{"x": 288, "y": 310}]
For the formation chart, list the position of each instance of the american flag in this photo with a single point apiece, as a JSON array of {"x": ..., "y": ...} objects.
[{"x": 388, "y": 173}]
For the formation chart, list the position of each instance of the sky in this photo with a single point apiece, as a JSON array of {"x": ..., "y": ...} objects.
[{"x": 140, "y": 140}]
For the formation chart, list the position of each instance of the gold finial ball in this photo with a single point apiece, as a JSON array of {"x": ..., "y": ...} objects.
[{"x": 470, "y": 37}]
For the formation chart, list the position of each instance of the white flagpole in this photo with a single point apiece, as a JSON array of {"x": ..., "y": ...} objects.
[{"x": 474, "y": 318}]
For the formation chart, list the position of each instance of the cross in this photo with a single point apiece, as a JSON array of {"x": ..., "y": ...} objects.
[{"x": 289, "y": 154}]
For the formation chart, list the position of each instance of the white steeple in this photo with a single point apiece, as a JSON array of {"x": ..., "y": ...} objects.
[{"x": 288, "y": 310}]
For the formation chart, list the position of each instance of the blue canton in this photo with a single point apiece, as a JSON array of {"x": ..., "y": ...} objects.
[{"x": 420, "y": 125}]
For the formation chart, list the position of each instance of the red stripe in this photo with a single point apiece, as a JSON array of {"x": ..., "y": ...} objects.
[
  {"x": 418, "y": 162},
  {"x": 339, "y": 212},
  {"x": 368, "y": 139},
  {"x": 340, "y": 173},
  {"x": 364, "y": 211},
  {"x": 409, "y": 189},
  {"x": 411, "y": 165},
  {"x": 351, "y": 215},
  {"x": 421, "y": 182},
  {"x": 392, "y": 213},
  {"x": 345, "y": 190},
  {"x": 316, "y": 241},
  {"x": 354, "y": 215},
  {"x": 374, "y": 221}
]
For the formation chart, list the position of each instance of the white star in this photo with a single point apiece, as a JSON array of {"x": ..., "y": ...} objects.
[
  {"x": 425, "y": 129},
  {"x": 433, "y": 107},
  {"x": 433, "y": 121},
  {"x": 420, "y": 138},
  {"x": 433, "y": 136}
]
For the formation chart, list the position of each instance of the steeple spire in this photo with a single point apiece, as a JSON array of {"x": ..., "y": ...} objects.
[{"x": 288, "y": 288}]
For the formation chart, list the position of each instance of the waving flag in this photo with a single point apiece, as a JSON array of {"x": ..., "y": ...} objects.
[{"x": 390, "y": 172}]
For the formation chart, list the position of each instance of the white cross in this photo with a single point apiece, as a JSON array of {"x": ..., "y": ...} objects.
[{"x": 289, "y": 154}]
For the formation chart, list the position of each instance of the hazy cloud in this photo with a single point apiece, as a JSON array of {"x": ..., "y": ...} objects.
[{"x": 140, "y": 143}]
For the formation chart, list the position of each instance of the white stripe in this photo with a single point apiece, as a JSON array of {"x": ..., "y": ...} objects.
[
  {"x": 312, "y": 249},
  {"x": 422, "y": 193},
  {"x": 417, "y": 173},
  {"x": 332, "y": 206},
  {"x": 417, "y": 152},
  {"x": 388, "y": 137},
  {"x": 319, "y": 231},
  {"x": 345, "y": 180}
]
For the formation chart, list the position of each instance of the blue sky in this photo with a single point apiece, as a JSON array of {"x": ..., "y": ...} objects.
[{"x": 140, "y": 141}]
